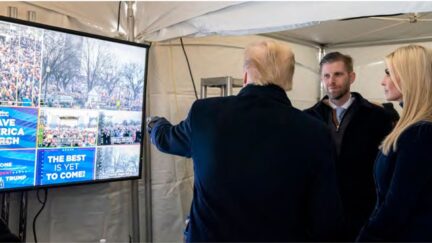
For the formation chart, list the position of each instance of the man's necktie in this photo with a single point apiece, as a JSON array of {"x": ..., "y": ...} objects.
[{"x": 340, "y": 111}]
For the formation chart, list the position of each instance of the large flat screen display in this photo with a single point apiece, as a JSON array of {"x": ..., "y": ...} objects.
[{"x": 71, "y": 107}]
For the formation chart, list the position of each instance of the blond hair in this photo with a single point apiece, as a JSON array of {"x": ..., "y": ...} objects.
[
  {"x": 411, "y": 71},
  {"x": 269, "y": 62}
]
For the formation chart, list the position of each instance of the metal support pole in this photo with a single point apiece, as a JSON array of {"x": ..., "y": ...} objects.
[
  {"x": 203, "y": 93},
  {"x": 321, "y": 92},
  {"x": 5, "y": 207},
  {"x": 134, "y": 183},
  {"x": 22, "y": 228},
  {"x": 229, "y": 86},
  {"x": 135, "y": 211},
  {"x": 225, "y": 84},
  {"x": 148, "y": 234},
  {"x": 130, "y": 21},
  {"x": 148, "y": 237}
]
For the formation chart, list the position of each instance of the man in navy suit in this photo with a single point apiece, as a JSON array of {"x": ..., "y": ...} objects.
[
  {"x": 358, "y": 127},
  {"x": 264, "y": 171}
]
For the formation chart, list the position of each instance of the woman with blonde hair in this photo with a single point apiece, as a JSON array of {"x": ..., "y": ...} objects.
[{"x": 403, "y": 169}]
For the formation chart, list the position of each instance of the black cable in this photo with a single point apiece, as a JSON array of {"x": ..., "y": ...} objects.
[
  {"x": 118, "y": 16},
  {"x": 190, "y": 71},
  {"x": 38, "y": 197},
  {"x": 40, "y": 210}
]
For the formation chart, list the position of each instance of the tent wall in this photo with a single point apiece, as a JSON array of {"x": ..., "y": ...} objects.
[{"x": 84, "y": 213}]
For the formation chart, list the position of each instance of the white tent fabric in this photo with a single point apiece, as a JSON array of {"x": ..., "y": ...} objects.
[
  {"x": 157, "y": 21},
  {"x": 263, "y": 17},
  {"x": 71, "y": 15},
  {"x": 93, "y": 212},
  {"x": 159, "y": 17}
]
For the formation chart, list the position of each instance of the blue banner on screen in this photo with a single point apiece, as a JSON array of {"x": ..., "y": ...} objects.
[
  {"x": 17, "y": 168},
  {"x": 58, "y": 166},
  {"x": 18, "y": 127}
]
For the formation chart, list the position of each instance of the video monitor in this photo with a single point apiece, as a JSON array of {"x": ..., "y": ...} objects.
[{"x": 71, "y": 106}]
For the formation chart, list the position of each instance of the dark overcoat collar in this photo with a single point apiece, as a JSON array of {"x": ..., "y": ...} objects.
[{"x": 271, "y": 91}]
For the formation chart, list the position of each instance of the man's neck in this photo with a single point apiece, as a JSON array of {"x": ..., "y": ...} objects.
[{"x": 342, "y": 100}]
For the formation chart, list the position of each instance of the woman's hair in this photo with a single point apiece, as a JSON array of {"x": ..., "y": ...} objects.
[
  {"x": 411, "y": 71},
  {"x": 269, "y": 62}
]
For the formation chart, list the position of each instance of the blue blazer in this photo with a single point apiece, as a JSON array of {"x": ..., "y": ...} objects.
[
  {"x": 264, "y": 171},
  {"x": 404, "y": 188}
]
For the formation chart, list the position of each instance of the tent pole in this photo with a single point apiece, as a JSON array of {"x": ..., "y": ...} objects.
[
  {"x": 148, "y": 234},
  {"x": 134, "y": 183},
  {"x": 321, "y": 53},
  {"x": 130, "y": 21}
]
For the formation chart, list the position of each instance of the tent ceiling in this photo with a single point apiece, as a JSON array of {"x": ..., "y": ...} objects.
[
  {"x": 312, "y": 22},
  {"x": 363, "y": 31},
  {"x": 298, "y": 19}
]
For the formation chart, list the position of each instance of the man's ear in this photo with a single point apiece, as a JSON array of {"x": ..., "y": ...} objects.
[
  {"x": 245, "y": 79},
  {"x": 352, "y": 77}
]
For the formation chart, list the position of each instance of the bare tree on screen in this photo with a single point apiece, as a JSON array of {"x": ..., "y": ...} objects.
[
  {"x": 111, "y": 77},
  {"x": 61, "y": 60},
  {"x": 134, "y": 79},
  {"x": 96, "y": 59}
]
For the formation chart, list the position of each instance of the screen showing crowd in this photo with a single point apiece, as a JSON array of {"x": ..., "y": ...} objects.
[{"x": 70, "y": 107}]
